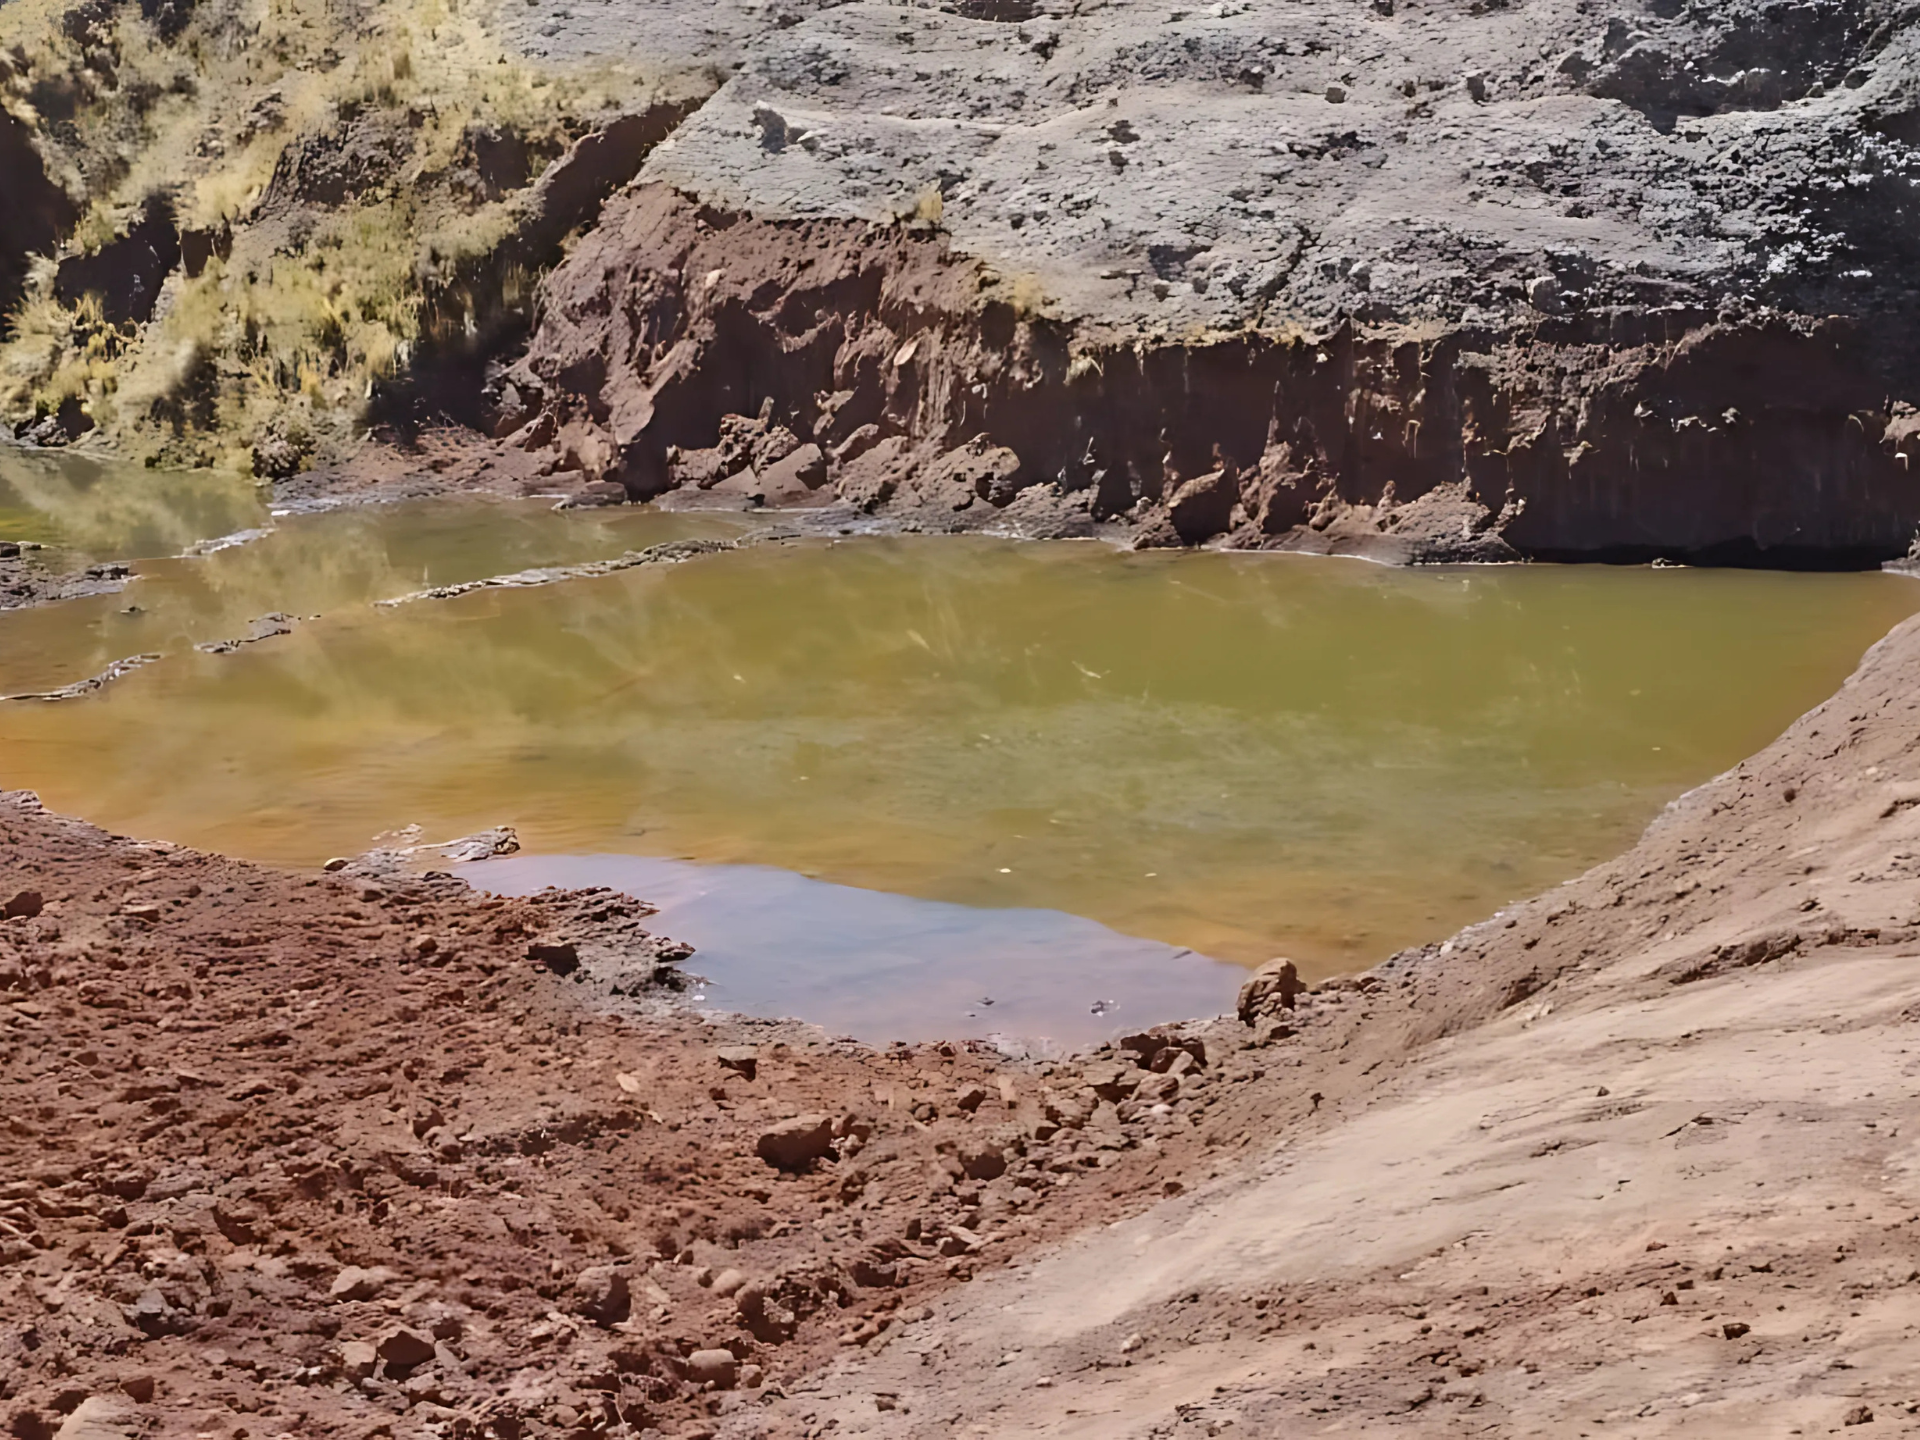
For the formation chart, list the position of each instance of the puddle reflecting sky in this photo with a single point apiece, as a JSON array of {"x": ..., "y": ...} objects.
[{"x": 883, "y": 967}]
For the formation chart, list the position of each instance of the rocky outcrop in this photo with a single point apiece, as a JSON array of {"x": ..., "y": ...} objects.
[
  {"x": 1428, "y": 283},
  {"x": 475, "y": 308},
  {"x": 694, "y": 347},
  {"x": 36, "y": 215},
  {"x": 125, "y": 274}
]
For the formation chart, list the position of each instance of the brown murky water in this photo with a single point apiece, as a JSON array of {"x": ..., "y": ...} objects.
[{"x": 1246, "y": 755}]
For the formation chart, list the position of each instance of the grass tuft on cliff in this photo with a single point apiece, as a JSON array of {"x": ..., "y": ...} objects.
[{"x": 267, "y": 192}]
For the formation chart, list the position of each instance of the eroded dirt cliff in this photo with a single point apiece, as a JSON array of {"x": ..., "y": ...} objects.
[
  {"x": 793, "y": 362},
  {"x": 1426, "y": 281}
]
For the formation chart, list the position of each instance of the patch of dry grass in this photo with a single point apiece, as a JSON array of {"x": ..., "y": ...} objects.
[{"x": 315, "y": 303}]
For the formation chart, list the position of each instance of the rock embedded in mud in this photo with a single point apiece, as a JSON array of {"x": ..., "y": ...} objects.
[
  {"x": 356, "y": 1283},
  {"x": 796, "y": 1144},
  {"x": 1276, "y": 985},
  {"x": 1158, "y": 1090},
  {"x": 100, "y": 1417},
  {"x": 1203, "y": 506},
  {"x": 770, "y": 1321},
  {"x": 151, "y": 1315},
  {"x": 742, "y": 1059},
  {"x": 982, "y": 1160},
  {"x": 959, "y": 1240},
  {"x": 718, "y": 1368},
  {"x": 400, "y": 1350},
  {"x": 1111, "y": 1080},
  {"x": 795, "y": 476},
  {"x": 602, "y": 1295},
  {"x": 560, "y": 957},
  {"x": 358, "y": 1359},
  {"x": 24, "y": 905},
  {"x": 595, "y": 494}
]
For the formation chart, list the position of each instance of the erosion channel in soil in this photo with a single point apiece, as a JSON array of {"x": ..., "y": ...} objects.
[{"x": 964, "y": 743}]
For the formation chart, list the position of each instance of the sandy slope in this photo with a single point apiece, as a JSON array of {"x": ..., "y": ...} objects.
[{"x": 1642, "y": 1200}]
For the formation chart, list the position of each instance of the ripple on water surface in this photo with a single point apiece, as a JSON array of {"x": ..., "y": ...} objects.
[{"x": 1241, "y": 755}]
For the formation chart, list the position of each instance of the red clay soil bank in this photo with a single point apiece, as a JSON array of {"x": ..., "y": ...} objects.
[
  {"x": 303, "y": 1155},
  {"x": 794, "y": 362}
]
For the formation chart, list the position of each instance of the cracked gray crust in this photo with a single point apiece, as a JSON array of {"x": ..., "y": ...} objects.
[{"x": 1159, "y": 167}]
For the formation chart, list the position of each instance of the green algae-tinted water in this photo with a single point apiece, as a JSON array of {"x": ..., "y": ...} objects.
[
  {"x": 102, "y": 509},
  {"x": 1247, "y": 755}
]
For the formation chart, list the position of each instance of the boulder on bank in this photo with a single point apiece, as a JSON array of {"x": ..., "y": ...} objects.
[
  {"x": 796, "y": 1144},
  {"x": 601, "y": 1293},
  {"x": 1274, "y": 986}
]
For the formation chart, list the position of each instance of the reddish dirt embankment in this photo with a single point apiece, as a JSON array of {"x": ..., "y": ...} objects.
[
  {"x": 344, "y": 1155},
  {"x": 798, "y": 362},
  {"x": 326, "y": 1155}
]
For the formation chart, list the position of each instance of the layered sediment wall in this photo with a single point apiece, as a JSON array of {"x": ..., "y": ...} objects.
[
  {"x": 1430, "y": 282},
  {"x": 683, "y": 346}
]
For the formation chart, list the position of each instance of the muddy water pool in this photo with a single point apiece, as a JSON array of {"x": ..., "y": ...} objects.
[
  {"x": 98, "y": 509},
  {"x": 1234, "y": 755}
]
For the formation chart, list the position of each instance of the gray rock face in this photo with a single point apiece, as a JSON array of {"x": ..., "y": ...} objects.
[
  {"x": 1427, "y": 281},
  {"x": 1164, "y": 166}
]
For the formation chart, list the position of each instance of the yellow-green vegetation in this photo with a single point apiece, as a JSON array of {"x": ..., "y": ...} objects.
[{"x": 324, "y": 163}]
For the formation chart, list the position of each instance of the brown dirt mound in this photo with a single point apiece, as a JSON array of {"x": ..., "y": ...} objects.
[{"x": 317, "y": 1155}]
